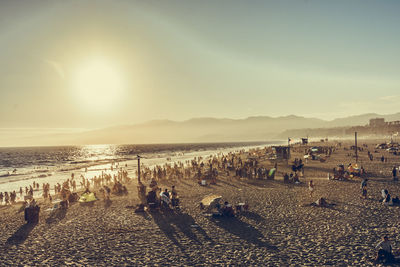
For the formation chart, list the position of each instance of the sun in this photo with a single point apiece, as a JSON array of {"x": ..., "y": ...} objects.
[{"x": 98, "y": 84}]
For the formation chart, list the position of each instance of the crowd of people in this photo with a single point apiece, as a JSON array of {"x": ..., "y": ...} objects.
[
  {"x": 231, "y": 164},
  {"x": 63, "y": 190}
]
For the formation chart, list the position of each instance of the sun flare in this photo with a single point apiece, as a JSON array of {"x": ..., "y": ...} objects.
[{"x": 98, "y": 84}]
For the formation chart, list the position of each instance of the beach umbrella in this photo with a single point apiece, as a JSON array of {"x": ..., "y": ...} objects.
[
  {"x": 210, "y": 201},
  {"x": 87, "y": 197}
]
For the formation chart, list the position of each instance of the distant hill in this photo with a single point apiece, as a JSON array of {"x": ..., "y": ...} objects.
[
  {"x": 199, "y": 130},
  {"x": 259, "y": 128}
]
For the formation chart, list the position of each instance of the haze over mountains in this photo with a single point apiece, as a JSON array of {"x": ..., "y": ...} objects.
[{"x": 260, "y": 128}]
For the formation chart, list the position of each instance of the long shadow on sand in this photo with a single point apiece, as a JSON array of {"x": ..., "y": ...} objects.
[
  {"x": 173, "y": 223},
  {"x": 385, "y": 180},
  {"x": 227, "y": 183},
  {"x": 185, "y": 183},
  {"x": 21, "y": 234},
  {"x": 263, "y": 183},
  {"x": 243, "y": 230},
  {"x": 253, "y": 216},
  {"x": 107, "y": 203},
  {"x": 56, "y": 215},
  {"x": 322, "y": 169}
]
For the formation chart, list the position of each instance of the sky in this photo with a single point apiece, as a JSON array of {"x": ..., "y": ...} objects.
[{"x": 93, "y": 64}]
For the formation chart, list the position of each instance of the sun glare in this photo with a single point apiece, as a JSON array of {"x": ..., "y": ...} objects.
[{"x": 98, "y": 84}]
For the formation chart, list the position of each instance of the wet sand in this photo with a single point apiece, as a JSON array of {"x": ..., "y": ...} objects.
[{"x": 280, "y": 228}]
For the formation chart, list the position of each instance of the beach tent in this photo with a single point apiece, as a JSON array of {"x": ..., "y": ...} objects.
[{"x": 87, "y": 197}]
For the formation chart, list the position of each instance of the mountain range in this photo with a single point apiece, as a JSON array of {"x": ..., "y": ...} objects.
[{"x": 259, "y": 128}]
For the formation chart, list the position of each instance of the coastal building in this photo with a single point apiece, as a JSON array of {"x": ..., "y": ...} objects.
[
  {"x": 376, "y": 126},
  {"x": 377, "y": 122}
]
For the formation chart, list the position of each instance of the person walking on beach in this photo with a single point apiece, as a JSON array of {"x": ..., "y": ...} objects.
[
  {"x": 6, "y": 198},
  {"x": 311, "y": 187},
  {"x": 394, "y": 173},
  {"x": 364, "y": 188}
]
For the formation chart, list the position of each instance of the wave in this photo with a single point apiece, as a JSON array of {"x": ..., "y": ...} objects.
[
  {"x": 25, "y": 178},
  {"x": 8, "y": 174}
]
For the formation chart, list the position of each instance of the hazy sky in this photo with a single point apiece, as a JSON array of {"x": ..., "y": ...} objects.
[{"x": 91, "y": 64}]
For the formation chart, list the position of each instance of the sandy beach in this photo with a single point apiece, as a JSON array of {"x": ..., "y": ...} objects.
[{"x": 280, "y": 228}]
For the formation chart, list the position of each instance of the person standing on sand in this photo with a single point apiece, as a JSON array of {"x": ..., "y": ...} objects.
[
  {"x": 364, "y": 188},
  {"x": 6, "y": 198},
  {"x": 311, "y": 187},
  {"x": 174, "y": 196},
  {"x": 394, "y": 173}
]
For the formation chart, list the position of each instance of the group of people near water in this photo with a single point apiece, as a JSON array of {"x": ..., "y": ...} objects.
[
  {"x": 230, "y": 164},
  {"x": 11, "y": 197},
  {"x": 64, "y": 189}
]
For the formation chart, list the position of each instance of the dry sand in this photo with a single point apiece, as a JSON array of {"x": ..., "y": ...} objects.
[{"x": 279, "y": 230}]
